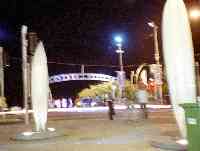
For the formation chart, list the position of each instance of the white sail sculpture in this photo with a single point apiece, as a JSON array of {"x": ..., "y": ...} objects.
[
  {"x": 179, "y": 58},
  {"x": 40, "y": 88}
]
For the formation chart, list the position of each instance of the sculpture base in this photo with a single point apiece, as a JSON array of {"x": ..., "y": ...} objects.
[
  {"x": 29, "y": 136},
  {"x": 169, "y": 145}
]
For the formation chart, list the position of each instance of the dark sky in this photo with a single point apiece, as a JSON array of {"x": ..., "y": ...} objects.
[
  {"x": 80, "y": 32},
  {"x": 86, "y": 28}
]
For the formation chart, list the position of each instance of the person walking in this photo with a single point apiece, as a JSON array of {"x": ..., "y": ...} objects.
[
  {"x": 64, "y": 102},
  {"x": 111, "y": 110},
  {"x": 70, "y": 102},
  {"x": 142, "y": 97}
]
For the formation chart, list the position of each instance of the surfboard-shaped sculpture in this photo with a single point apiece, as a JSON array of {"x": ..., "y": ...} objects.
[
  {"x": 179, "y": 58},
  {"x": 40, "y": 87}
]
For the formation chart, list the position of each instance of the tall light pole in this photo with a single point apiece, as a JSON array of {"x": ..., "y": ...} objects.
[
  {"x": 25, "y": 70},
  {"x": 119, "y": 50},
  {"x": 158, "y": 66},
  {"x": 1, "y": 73},
  {"x": 121, "y": 73},
  {"x": 32, "y": 42},
  {"x": 155, "y": 36}
]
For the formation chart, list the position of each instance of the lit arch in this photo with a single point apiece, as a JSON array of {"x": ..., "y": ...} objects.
[{"x": 81, "y": 76}]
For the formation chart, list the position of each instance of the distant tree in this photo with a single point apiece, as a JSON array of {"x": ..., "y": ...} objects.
[
  {"x": 107, "y": 88},
  {"x": 3, "y": 103},
  {"x": 129, "y": 90},
  {"x": 94, "y": 90}
]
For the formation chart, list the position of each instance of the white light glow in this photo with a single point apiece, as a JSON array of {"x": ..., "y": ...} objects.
[
  {"x": 27, "y": 133},
  {"x": 195, "y": 13},
  {"x": 182, "y": 142},
  {"x": 51, "y": 129},
  {"x": 119, "y": 45},
  {"x": 79, "y": 76},
  {"x": 118, "y": 39},
  {"x": 24, "y": 29},
  {"x": 151, "y": 24},
  {"x": 89, "y": 109}
]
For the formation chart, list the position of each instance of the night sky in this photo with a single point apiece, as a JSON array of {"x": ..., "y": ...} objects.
[{"x": 80, "y": 32}]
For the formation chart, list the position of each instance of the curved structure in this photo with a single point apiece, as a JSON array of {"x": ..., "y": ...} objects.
[
  {"x": 80, "y": 76},
  {"x": 139, "y": 71}
]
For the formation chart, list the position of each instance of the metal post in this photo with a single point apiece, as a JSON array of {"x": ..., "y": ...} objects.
[
  {"x": 121, "y": 72},
  {"x": 113, "y": 90},
  {"x": 120, "y": 52},
  {"x": 82, "y": 69},
  {"x": 1, "y": 72},
  {"x": 159, "y": 71},
  {"x": 2, "y": 77},
  {"x": 29, "y": 102},
  {"x": 157, "y": 56},
  {"x": 25, "y": 71},
  {"x": 121, "y": 61},
  {"x": 132, "y": 77},
  {"x": 197, "y": 78},
  {"x": 32, "y": 44}
]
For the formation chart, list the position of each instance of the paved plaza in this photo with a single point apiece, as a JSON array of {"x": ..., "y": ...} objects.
[{"x": 93, "y": 131}]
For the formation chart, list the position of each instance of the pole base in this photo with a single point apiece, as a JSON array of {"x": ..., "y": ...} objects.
[{"x": 29, "y": 136}]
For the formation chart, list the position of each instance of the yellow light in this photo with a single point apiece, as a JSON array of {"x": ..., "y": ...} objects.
[{"x": 195, "y": 13}]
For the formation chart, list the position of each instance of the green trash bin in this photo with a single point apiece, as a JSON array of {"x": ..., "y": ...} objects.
[{"x": 192, "y": 117}]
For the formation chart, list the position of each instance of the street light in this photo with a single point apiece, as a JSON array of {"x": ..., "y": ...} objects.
[
  {"x": 151, "y": 24},
  {"x": 118, "y": 41},
  {"x": 121, "y": 73},
  {"x": 157, "y": 66},
  {"x": 1, "y": 73},
  {"x": 194, "y": 13}
]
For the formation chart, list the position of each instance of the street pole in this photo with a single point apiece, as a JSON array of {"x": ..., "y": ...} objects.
[
  {"x": 132, "y": 77},
  {"x": 25, "y": 71},
  {"x": 121, "y": 72},
  {"x": 197, "y": 79},
  {"x": 158, "y": 77},
  {"x": 1, "y": 72},
  {"x": 2, "y": 77},
  {"x": 32, "y": 44},
  {"x": 82, "y": 69},
  {"x": 121, "y": 61},
  {"x": 157, "y": 55}
]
